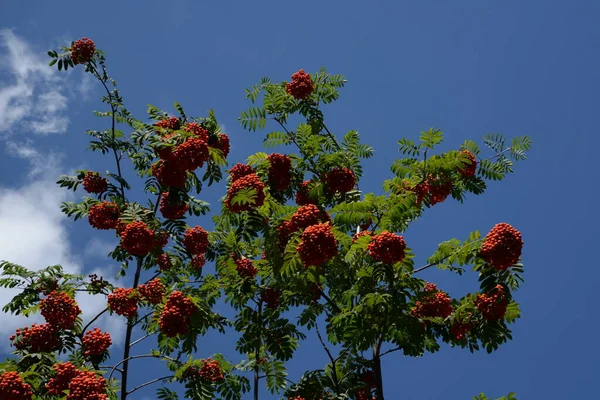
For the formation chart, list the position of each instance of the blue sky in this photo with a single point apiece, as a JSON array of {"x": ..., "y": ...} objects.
[{"x": 467, "y": 67}]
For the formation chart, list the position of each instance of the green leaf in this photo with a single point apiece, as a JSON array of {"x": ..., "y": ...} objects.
[{"x": 431, "y": 138}]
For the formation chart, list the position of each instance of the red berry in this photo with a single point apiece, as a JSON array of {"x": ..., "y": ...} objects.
[
  {"x": 211, "y": 370},
  {"x": 303, "y": 194},
  {"x": 104, "y": 215},
  {"x": 60, "y": 310},
  {"x": 340, "y": 180},
  {"x": 152, "y": 291},
  {"x": 175, "y": 317},
  {"x": 459, "y": 330},
  {"x": 421, "y": 190},
  {"x": 198, "y": 261},
  {"x": 137, "y": 239},
  {"x": 439, "y": 189},
  {"x": 197, "y": 130},
  {"x": 284, "y": 231},
  {"x": 171, "y": 123},
  {"x": 12, "y": 387},
  {"x": 82, "y": 51},
  {"x": 222, "y": 144},
  {"x": 368, "y": 377},
  {"x": 308, "y": 215},
  {"x": 96, "y": 343},
  {"x": 169, "y": 174},
  {"x": 240, "y": 170},
  {"x": 191, "y": 154},
  {"x": 123, "y": 302},
  {"x": 245, "y": 268},
  {"x": 280, "y": 176},
  {"x": 434, "y": 303},
  {"x": 493, "y": 304},
  {"x": 318, "y": 245},
  {"x": 360, "y": 234},
  {"x": 245, "y": 183},
  {"x": 94, "y": 183},
  {"x": 86, "y": 385},
  {"x": 195, "y": 240},
  {"x": 363, "y": 394},
  {"x": 37, "y": 339},
  {"x": 164, "y": 262},
  {"x": 387, "y": 247},
  {"x": 172, "y": 208},
  {"x": 502, "y": 246},
  {"x": 469, "y": 169},
  {"x": 301, "y": 85},
  {"x": 271, "y": 297},
  {"x": 60, "y": 382}
]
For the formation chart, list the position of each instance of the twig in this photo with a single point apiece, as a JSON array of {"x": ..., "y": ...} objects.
[
  {"x": 328, "y": 299},
  {"x": 93, "y": 319},
  {"x": 150, "y": 383},
  {"x": 333, "y": 366},
  {"x": 390, "y": 351},
  {"x": 139, "y": 356},
  {"x": 139, "y": 340},
  {"x": 497, "y": 155}
]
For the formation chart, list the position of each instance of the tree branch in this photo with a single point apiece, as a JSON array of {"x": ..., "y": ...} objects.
[
  {"x": 150, "y": 383},
  {"x": 333, "y": 360}
]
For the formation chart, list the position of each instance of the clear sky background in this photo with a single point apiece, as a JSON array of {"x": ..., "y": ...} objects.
[{"x": 467, "y": 67}]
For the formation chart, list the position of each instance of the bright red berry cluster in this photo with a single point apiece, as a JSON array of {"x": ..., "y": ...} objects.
[
  {"x": 164, "y": 262},
  {"x": 222, "y": 144},
  {"x": 60, "y": 310},
  {"x": 459, "y": 329},
  {"x": 94, "y": 183},
  {"x": 271, "y": 297},
  {"x": 175, "y": 317},
  {"x": 86, "y": 385},
  {"x": 301, "y": 86},
  {"x": 169, "y": 173},
  {"x": 137, "y": 239},
  {"x": 211, "y": 370},
  {"x": 318, "y": 245},
  {"x": 42, "y": 338},
  {"x": 171, "y": 123},
  {"x": 493, "y": 304},
  {"x": 387, "y": 247},
  {"x": 434, "y": 303},
  {"x": 502, "y": 246},
  {"x": 171, "y": 208},
  {"x": 340, "y": 180},
  {"x": 82, "y": 51},
  {"x": 280, "y": 176},
  {"x": 198, "y": 261},
  {"x": 469, "y": 169},
  {"x": 12, "y": 387},
  {"x": 439, "y": 189},
  {"x": 240, "y": 170},
  {"x": 124, "y": 301},
  {"x": 248, "y": 182},
  {"x": 191, "y": 154},
  {"x": 96, "y": 342},
  {"x": 303, "y": 194},
  {"x": 421, "y": 190},
  {"x": 104, "y": 215},
  {"x": 245, "y": 268},
  {"x": 153, "y": 291},
  {"x": 60, "y": 382},
  {"x": 195, "y": 240},
  {"x": 197, "y": 130},
  {"x": 308, "y": 215}
]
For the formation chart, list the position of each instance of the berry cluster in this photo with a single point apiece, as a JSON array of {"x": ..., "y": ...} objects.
[
  {"x": 12, "y": 387},
  {"x": 318, "y": 245},
  {"x": 97, "y": 284},
  {"x": 191, "y": 154},
  {"x": 502, "y": 246},
  {"x": 211, "y": 370},
  {"x": 172, "y": 208},
  {"x": 459, "y": 329},
  {"x": 271, "y": 297},
  {"x": 94, "y": 183},
  {"x": 171, "y": 123},
  {"x": 387, "y": 247},
  {"x": 164, "y": 262},
  {"x": 245, "y": 268},
  {"x": 439, "y": 189},
  {"x": 421, "y": 190},
  {"x": 124, "y": 301},
  {"x": 198, "y": 261},
  {"x": 197, "y": 130},
  {"x": 301, "y": 86},
  {"x": 361, "y": 234},
  {"x": 96, "y": 343},
  {"x": 280, "y": 176},
  {"x": 340, "y": 180},
  {"x": 86, "y": 385},
  {"x": 169, "y": 173},
  {"x": 303, "y": 194},
  {"x": 493, "y": 304},
  {"x": 60, "y": 382},
  {"x": 175, "y": 317},
  {"x": 104, "y": 215},
  {"x": 82, "y": 51},
  {"x": 42, "y": 338},
  {"x": 434, "y": 303},
  {"x": 153, "y": 291},
  {"x": 222, "y": 143},
  {"x": 469, "y": 169},
  {"x": 363, "y": 394},
  {"x": 245, "y": 183},
  {"x": 240, "y": 170},
  {"x": 60, "y": 310},
  {"x": 369, "y": 378},
  {"x": 308, "y": 215},
  {"x": 138, "y": 240},
  {"x": 195, "y": 240}
]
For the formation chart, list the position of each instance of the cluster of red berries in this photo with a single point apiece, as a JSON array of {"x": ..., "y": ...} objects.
[
  {"x": 12, "y": 387},
  {"x": 153, "y": 291},
  {"x": 280, "y": 175},
  {"x": 191, "y": 154},
  {"x": 175, "y": 317},
  {"x": 171, "y": 123},
  {"x": 42, "y": 338},
  {"x": 124, "y": 301},
  {"x": 195, "y": 240},
  {"x": 248, "y": 182},
  {"x": 198, "y": 262},
  {"x": 304, "y": 217},
  {"x": 104, "y": 215},
  {"x": 197, "y": 130},
  {"x": 97, "y": 284},
  {"x": 94, "y": 183},
  {"x": 469, "y": 169},
  {"x": 364, "y": 394},
  {"x": 138, "y": 240},
  {"x": 245, "y": 268},
  {"x": 240, "y": 170},
  {"x": 318, "y": 245},
  {"x": 82, "y": 51},
  {"x": 164, "y": 262},
  {"x": 211, "y": 370},
  {"x": 60, "y": 382},
  {"x": 86, "y": 385},
  {"x": 460, "y": 329},
  {"x": 96, "y": 342},
  {"x": 222, "y": 143},
  {"x": 361, "y": 234},
  {"x": 420, "y": 190},
  {"x": 303, "y": 194},
  {"x": 171, "y": 208},
  {"x": 301, "y": 86},
  {"x": 387, "y": 247},
  {"x": 493, "y": 304},
  {"x": 439, "y": 189},
  {"x": 271, "y": 297},
  {"x": 340, "y": 180},
  {"x": 434, "y": 303},
  {"x": 169, "y": 174},
  {"x": 60, "y": 310},
  {"x": 502, "y": 246},
  {"x": 369, "y": 378}
]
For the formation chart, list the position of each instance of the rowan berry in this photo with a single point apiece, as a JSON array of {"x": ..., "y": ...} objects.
[
  {"x": 502, "y": 246},
  {"x": 318, "y": 245},
  {"x": 245, "y": 183},
  {"x": 60, "y": 310},
  {"x": 96, "y": 343},
  {"x": 301, "y": 86},
  {"x": 280, "y": 176},
  {"x": 104, "y": 215},
  {"x": 94, "y": 183},
  {"x": 12, "y": 387},
  {"x": 195, "y": 240},
  {"x": 339, "y": 180},
  {"x": 387, "y": 247},
  {"x": 82, "y": 51},
  {"x": 171, "y": 208},
  {"x": 124, "y": 301}
]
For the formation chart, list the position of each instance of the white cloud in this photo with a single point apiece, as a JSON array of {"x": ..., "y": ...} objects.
[{"x": 31, "y": 98}]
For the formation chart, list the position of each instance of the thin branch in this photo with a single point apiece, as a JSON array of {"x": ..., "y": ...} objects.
[
  {"x": 93, "y": 320},
  {"x": 390, "y": 351},
  {"x": 139, "y": 356},
  {"x": 139, "y": 340},
  {"x": 333, "y": 365},
  {"x": 150, "y": 383},
  {"x": 328, "y": 299},
  {"x": 497, "y": 155},
  {"x": 275, "y": 376}
]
